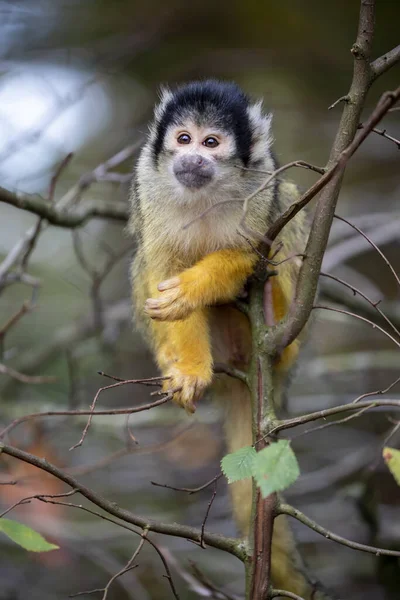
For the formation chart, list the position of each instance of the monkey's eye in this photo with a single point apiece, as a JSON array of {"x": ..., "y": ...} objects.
[
  {"x": 211, "y": 142},
  {"x": 184, "y": 138}
]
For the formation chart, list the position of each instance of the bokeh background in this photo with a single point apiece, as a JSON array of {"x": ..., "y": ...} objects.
[{"x": 82, "y": 77}]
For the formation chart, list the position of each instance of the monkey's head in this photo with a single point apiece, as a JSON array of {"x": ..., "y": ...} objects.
[{"x": 201, "y": 133}]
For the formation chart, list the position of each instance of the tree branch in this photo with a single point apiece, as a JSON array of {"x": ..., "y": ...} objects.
[
  {"x": 328, "y": 412},
  {"x": 230, "y": 371},
  {"x": 231, "y": 545},
  {"x": 288, "y": 330},
  {"x": 263, "y": 513},
  {"x": 32, "y": 379},
  {"x": 385, "y": 62},
  {"x": 117, "y": 211}
]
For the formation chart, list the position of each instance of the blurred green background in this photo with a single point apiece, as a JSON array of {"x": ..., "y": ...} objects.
[{"x": 81, "y": 78}]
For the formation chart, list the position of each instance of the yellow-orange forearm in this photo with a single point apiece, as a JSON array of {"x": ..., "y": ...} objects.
[
  {"x": 218, "y": 277},
  {"x": 183, "y": 352}
]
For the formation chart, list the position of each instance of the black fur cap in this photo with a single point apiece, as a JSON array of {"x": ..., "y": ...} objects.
[{"x": 219, "y": 103}]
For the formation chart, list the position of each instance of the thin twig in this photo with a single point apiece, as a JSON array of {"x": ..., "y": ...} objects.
[
  {"x": 231, "y": 371},
  {"x": 200, "y": 578},
  {"x": 203, "y": 525},
  {"x": 378, "y": 250},
  {"x": 168, "y": 396},
  {"x": 333, "y": 423},
  {"x": 350, "y": 314},
  {"x": 286, "y": 509},
  {"x": 338, "y": 101},
  {"x": 189, "y": 490},
  {"x": 354, "y": 245},
  {"x": 143, "y": 534},
  {"x": 386, "y": 101},
  {"x": 328, "y": 412},
  {"x": 371, "y": 302},
  {"x": 68, "y": 413},
  {"x": 391, "y": 433},
  {"x": 54, "y": 180},
  {"x": 31, "y": 245},
  {"x": 128, "y": 567},
  {"x": 383, "y": 133},
  {"x": 261, "y": 188},
  {"x": 28, "y": 499},
  {"x": 168, "y": 575},
  {"x": 25, "y": 308},
  {"x": 97, "y": 275},
  {"x": 31, "y": 379},
  {"x": 147, "y": 381},
  {"x": 132, "y": 447}
]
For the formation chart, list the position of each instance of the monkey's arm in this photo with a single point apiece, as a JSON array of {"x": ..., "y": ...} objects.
[
  {"x": 186, "y": 345},
  {"x": 182, "y": 348},
  {"x": 218, "y": 277}
]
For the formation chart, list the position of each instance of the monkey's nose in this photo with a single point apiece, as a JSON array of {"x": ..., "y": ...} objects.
[
  {"x": 191, "y": 161},
  {"x": 193, "y": 170}
]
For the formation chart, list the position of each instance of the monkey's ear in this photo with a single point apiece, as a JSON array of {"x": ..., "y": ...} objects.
[
  {"x": 261, "y": 132},
  {"x": 165, "y": 95}
]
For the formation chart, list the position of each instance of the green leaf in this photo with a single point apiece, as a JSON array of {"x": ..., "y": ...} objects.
[
  {"x": 275, "y": 468},
  {"x": 238, "y": 465},
  {"x": 25, "y": 536},
  {"x": 391, "y": 456}
]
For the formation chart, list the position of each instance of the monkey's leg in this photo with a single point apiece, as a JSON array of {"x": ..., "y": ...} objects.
[
  {"x": 218, "y": 277},
  {"x": 184, "y": 355}
]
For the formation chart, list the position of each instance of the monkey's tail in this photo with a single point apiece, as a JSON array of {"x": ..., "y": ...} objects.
[{"x": 287, "y": 568}]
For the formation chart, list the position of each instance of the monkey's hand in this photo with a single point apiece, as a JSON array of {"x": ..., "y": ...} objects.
[
  {"x": 172, "y": 305},
  {"x": 218, "y": 277},
  {"x": 190, "y": 385}
]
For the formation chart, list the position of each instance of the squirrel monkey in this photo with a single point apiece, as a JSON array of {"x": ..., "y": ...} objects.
[{"x": 209, "y": 145}]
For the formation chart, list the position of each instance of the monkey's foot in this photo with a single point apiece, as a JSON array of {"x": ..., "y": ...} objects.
[
  {"x": 190, "y": 387},
  {"x": 175, "y": 302}
]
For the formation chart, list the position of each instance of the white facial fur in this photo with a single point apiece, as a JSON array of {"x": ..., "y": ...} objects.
[
  {"x": 177, "y": 205},
  {"x": 196, "y": 136},
  {"x": 262, "y": 137}
]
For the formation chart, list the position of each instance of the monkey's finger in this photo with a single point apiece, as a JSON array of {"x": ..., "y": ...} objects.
[
  {"x": 156, "y": 304},
  {"x": 153, "y": 313},
  {"x": 168, "y": 296},
  {"x": 155, "y": 317},
  {"x": 168, "y": 284},
  {"x": 163, "y": 314},
  {"x": 153, "y": 303}
]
